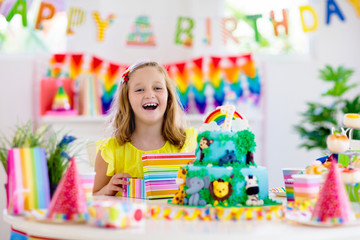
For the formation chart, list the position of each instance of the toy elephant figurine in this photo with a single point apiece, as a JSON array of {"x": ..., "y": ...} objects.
[{"x": 195, "y": 184}]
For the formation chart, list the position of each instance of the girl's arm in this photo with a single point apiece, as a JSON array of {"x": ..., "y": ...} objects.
[{"x": 105, "y": 185}]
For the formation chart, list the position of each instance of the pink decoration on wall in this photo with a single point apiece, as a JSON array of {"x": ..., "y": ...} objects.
[{"x": 48, "y": 89}]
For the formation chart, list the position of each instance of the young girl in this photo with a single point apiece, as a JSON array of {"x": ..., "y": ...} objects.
[{"x": 146, "y": 118}]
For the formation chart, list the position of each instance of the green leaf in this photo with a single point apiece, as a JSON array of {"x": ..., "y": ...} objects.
[{"x": 318, "y": 118}]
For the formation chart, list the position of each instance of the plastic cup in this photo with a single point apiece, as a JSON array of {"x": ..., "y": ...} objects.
[
  {"x": 87, "y": 180},
  {"x": 289, "y": 182},
  {"x": 306, "y": 187}
]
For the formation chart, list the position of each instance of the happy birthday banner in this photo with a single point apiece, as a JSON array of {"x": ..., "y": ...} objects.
[
  {"x": 142, "y": 34},
  {"x": 202, "y": 83}
]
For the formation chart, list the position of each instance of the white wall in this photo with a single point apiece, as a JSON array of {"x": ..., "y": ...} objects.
[
  {"x": 289, "y": 82},
  {"x": 16, "y": 77}
]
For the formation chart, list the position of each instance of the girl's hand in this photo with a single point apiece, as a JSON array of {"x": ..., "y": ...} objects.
[{"x": 117, "y": 183}]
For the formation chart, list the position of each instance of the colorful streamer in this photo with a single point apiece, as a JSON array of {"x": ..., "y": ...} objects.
[{"x": 216, "y": 213}]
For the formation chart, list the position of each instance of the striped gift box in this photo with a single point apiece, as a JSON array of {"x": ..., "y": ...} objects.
[
  {"x": 160, "y": 172},
  {"x": 135, "y": 189}
]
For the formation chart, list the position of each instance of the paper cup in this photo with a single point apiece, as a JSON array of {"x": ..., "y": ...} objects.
[
  {"x": 87, "y": 180},
  {"x": 289, "y": 182},
  {"x": 306, "y": 187}
]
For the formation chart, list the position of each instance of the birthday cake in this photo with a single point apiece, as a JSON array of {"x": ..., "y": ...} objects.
[{"x": 224, "y": 172}]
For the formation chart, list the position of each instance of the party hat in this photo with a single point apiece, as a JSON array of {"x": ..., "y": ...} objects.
[
  {"x": 69, "y": 201},
  {"x": 61, "y": 100},
  {"x": 333, "y": 205}
]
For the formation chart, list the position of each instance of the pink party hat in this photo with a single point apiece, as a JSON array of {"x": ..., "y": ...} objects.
[
  {"x": 69, "y": 201},
  {"x": 333, "y": 205}
]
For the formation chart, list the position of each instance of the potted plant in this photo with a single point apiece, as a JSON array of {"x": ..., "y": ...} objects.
[
  {"x": 319, "y": 118},
  {"x": 25, "y": 135},
  {"x": 59, "y": 153}
]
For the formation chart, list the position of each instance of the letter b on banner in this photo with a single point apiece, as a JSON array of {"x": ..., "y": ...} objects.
[{"x": 183, "y": 31}]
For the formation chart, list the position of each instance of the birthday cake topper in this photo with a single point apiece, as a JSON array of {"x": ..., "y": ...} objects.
[{"x": 225, "y": 118}]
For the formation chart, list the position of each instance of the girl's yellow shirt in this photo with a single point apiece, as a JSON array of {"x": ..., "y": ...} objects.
[{"x": 127, "y": 158}]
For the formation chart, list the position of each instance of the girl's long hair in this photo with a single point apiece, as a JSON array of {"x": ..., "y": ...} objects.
[{"x": 122, "y": 118}]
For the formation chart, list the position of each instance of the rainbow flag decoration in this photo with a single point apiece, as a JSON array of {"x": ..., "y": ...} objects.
[
  {"x": 109, "y": 86},
  {"x": 216, "y": 80},
  {"x": 233, "y": 76},
  {"x": 182, "y": 82},
  {"x": 76, "y": 62},
  {"x": 56, "y": 65},
  {"x": 252, "y": 76},
  {"x": 199, "y": 85},
  {"x": 28, "y": 180},
  {"x": 160, "y": 172}
]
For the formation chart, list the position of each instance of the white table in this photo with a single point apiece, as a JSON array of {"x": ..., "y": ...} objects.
[{"x": 185, "y": 230}]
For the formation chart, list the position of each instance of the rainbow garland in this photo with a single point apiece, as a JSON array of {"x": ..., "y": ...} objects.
[
  {"x": 217, "y": 213},
  {"x": 225, "y": 77}
]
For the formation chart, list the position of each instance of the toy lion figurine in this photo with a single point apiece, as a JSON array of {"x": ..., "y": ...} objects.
[{"x": 220, "y": 190}]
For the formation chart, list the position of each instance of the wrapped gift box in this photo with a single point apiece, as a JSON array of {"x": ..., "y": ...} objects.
[{"x": 160, "y": 172}]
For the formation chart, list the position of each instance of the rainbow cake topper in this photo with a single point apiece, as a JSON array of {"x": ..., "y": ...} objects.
[{"x": 223, "y": 115}]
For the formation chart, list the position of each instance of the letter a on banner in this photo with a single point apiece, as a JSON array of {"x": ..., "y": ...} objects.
[
  {"x": 332, "y": 8},
  {"x": 20, "y": 8}
]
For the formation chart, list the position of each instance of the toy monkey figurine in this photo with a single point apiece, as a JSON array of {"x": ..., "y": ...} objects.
[{"x": 204, "y": 144}]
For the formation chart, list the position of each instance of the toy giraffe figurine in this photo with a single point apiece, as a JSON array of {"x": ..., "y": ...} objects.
[{"x": 180, "y": 194}]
